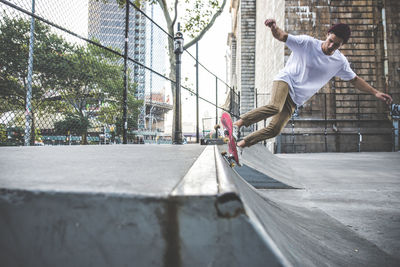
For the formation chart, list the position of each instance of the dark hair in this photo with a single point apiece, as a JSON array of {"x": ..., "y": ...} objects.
[{"x": 341, "y": 30}]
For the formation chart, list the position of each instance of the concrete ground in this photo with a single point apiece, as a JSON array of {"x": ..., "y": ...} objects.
[
  {"x": 111, "y": 205},
  {"x": 359, "y": 190},
  {"x": 131, "y": 169}
]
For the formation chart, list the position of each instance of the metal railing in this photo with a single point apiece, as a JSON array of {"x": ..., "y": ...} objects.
[{"x": 352, "y": 123}]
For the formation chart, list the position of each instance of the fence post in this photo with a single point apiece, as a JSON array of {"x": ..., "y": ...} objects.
[
  {"x": 216, "y": 100},
  {"x": 125, "y": 92},
  {"x": 256, "y": 103},
  {"x": 326, "y": 124},
  {"x": 231, "y": 100},
  {"x": 239, "y": 107},
  {"x": 178, "y": 50},
  {"x": 359, "y": 123},
  {"x": 28, "y": 107},
  {"x": 197, "y": 94}
]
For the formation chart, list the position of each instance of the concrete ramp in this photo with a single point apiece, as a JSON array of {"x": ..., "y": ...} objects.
[
  {"x": 261, "y": 159},
  {"x": 309, "y": 237},
  {"x": 305, "y": 236}
]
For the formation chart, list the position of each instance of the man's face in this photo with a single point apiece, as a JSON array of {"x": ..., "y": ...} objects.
[{"x": 331, "y": 43}]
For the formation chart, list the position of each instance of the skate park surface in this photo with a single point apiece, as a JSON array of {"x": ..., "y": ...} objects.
[{"x": 182, "y": 205}]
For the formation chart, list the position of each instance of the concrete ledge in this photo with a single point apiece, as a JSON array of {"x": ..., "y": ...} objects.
[
  {"x": 201, "y": 179},
  {"x": 197, "y": 220}
]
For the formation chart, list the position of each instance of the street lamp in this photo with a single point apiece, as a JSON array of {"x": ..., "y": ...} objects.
[{"x": 178, "y": 50}]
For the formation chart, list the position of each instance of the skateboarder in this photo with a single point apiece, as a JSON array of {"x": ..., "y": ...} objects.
[{"x": 310, "y": 66}]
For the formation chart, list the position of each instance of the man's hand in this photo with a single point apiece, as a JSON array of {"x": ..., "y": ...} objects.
[
  {"x": 270, "y": 23},
  {"x": 384, "y": 97},
  {"x": 362, "y": 85},
  {"x": 276, "y": 32}
]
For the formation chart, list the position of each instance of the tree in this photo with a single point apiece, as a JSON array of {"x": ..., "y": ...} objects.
[
  {"x": 14, "y": 43},
  {"x": 112, "y": 107},
  {"x": 72, "y": 124},
  {"x": 72, "y": 80},
  {"x": 92, "y": 86}
]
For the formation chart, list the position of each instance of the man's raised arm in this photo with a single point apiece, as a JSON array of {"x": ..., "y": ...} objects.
[
  {"x": 362, "y": 85},
  {"x": 276, "y": 31}
]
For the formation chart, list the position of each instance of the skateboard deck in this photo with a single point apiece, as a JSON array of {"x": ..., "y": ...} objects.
[{"x": 226, "y": 122}]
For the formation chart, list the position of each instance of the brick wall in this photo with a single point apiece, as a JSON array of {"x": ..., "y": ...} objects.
[
  {"x": 393, "y": 42},
  {"x": 339, "y": 117}
]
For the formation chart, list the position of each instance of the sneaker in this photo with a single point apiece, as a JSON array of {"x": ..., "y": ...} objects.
[{"x": 236, "y": 132}]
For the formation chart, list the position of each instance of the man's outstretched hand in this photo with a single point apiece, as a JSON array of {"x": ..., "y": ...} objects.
[
  {"x": 276, "y": 32},
  {"x": 384, "y": 97},
  {"x": 270, "y": 23}
]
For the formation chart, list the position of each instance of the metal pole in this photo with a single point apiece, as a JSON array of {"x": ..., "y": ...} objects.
[
  {"x": 178, "y": 50},
  {"x": 216, "y": 100},
  {"x": 256, "y": 103},
  {"x": 28, "y": 105},
  {"x": 239, "y": 107},
  {"x": 197, "y": 94},
  {"x": 395, "y": 115},
  {"x": 293, "y": 146},
  {"x": 232, "y": 95},
  {"x": 125, "y": 92},
  {"x": 396, "y": 134},
  {"x": 151, "y": 73},
  {"x": 359, "y": 123},
  {"x": 326, "y": 126}
]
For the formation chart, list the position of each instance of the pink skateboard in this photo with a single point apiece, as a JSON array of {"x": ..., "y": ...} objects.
[{"x": 226, "y": 122}]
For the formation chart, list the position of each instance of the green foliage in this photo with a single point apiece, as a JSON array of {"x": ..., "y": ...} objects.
[
  {"x": 3, "y": 134},
  {"x": 12, "y": 136},
  {"x": 84, "y": 83},
  {"x": 14, "y": 43},
  {"x": 72, "y": 124},
  {"x": 199, "y": 15}
]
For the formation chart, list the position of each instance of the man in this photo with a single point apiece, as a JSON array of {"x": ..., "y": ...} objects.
[{"x": 310, "y": 66}]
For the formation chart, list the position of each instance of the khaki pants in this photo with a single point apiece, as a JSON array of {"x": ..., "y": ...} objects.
[{"x": 281, "y": 107}]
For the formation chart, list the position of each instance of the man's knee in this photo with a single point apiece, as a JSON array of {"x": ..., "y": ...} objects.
[
  {"x": 275, "y": 131},
  {"x": 275, "y": 109}
]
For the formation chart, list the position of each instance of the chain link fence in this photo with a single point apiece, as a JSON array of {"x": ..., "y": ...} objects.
[{"x": 71, "y": 72}]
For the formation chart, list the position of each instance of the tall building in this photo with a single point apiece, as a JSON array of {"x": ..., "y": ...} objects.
[{"x": 107, "y": 25}]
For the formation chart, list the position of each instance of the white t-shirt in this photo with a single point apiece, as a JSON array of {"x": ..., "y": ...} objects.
[{"x": 308, "y": 69}]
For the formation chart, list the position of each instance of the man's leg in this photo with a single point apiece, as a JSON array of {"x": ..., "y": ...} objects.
[
  {"x": 280, "y": 91},
  {"x": 276, "y": 125}
]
